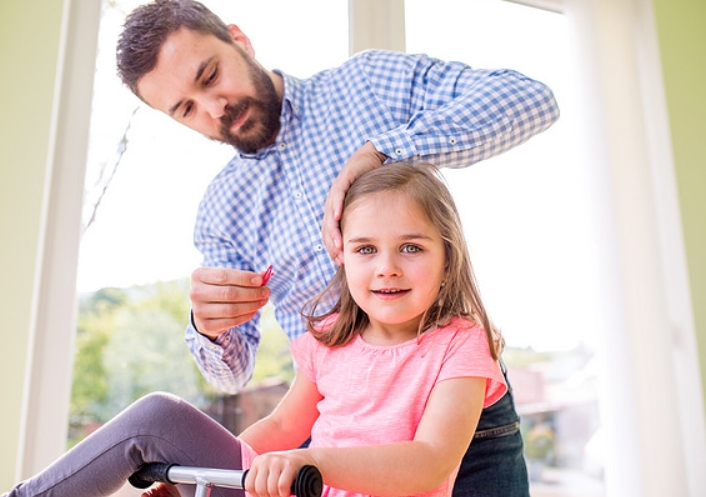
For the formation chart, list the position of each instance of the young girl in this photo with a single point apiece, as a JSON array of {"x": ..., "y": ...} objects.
[{"x": 390, "y": 383}]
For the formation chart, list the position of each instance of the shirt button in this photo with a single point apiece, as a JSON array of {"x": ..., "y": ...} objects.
[
  {"x": 452, "y": 141},
  {"x": 319, "y": 248},
  {"x": 298, "y": 194},
  {"x": 399, "y": 151},
  {"x": 282, "y": 146}
]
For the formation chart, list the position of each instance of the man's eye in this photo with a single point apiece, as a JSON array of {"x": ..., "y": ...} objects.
[
  {"x": 366, "y": 250},
  {"x": 187, "y": 110},
  {"x": 212, "y": 77},
  {"x": 411, "y": 249}
]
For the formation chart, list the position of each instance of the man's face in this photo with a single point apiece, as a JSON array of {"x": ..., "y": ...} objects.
[{"x": 215, "y": 88}]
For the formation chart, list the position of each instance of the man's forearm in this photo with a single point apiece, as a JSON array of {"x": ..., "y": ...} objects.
[{"x": 460, "y": 115}]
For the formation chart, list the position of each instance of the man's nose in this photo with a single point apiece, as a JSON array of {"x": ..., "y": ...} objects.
[{"x": 215, "y": 106}]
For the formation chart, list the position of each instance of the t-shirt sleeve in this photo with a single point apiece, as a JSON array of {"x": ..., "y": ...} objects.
[
  {"x": 468, "y": 354},
  {"x": 303, "y": 350}
]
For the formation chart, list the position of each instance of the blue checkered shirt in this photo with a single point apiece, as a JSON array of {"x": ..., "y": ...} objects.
[{"x": 267, "y": 208}]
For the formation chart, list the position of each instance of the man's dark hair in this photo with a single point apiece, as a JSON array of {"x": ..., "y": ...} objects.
[{"x": 148, "y": 26}]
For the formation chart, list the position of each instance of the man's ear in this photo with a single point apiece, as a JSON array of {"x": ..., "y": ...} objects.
[{"x": 240, "y": 38}]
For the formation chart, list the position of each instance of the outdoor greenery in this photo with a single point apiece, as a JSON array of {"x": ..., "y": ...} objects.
[{"x": 130, "y": 341}]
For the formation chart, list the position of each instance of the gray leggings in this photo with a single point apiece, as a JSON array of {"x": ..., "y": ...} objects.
[{"x": 157, "y": 428}]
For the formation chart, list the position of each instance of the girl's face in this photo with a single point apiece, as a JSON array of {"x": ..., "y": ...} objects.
[{"x": 395, "y": 263}]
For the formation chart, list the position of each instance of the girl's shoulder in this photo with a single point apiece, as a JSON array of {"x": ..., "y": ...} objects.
[
  {"x": 460, "y": 334},
  {"x": 459, "y": 325},
  {"x": 307, "y": 341}
]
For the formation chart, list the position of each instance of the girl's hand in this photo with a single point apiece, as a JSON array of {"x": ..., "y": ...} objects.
[
  {"x": 161, "y": 490},
  {"x": 272, "y": 474}
]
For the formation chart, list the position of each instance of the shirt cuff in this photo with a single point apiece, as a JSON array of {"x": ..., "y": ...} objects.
[
  {"x": 212, "y": 348},
  {"x": 396, "y": 144}
]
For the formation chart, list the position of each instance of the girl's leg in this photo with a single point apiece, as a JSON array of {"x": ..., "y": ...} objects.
[{"x": 157, "y": 428}]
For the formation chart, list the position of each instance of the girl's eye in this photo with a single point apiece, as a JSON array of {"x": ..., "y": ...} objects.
[
  {"x": 367, "y": 250},
  {"x": 411, "y": 249},
  {"x": 187, "y": 110}
]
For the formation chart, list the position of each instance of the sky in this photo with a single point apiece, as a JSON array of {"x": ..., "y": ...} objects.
[{"x": 527, "y": 213}]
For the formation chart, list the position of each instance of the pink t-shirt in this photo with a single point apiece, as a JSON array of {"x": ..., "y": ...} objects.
[{"x": 377, "y": 394}]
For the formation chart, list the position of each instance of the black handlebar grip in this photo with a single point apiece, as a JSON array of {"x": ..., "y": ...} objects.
[
  {"x": 308, "y": 482},
  {"x": 150, "y": 473}
]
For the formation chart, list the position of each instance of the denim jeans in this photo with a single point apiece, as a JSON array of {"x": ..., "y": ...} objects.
[{"x": 494, "y": 465}]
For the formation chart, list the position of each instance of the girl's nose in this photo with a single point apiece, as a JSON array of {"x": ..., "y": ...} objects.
[{"x": 388, "y": 266}]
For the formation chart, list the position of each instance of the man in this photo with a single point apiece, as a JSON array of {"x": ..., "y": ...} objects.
[{"x": 299, "y": 145}]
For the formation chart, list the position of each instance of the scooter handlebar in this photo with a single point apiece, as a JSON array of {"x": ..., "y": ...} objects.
[{"x": 308, "y": 482}]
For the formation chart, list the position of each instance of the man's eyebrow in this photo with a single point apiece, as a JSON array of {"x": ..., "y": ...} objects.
[
  {"x": 172, "y": 110},
  {"x": 199, "y": 72}
]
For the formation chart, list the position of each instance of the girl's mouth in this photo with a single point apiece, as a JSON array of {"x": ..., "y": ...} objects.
[{"x": 390, "y": 292}]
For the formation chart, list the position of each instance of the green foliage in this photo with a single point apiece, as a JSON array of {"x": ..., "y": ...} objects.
[
  {"x": 521, "y": 357},
  {"x": 539, "y": 442},
  {"x": 130, "y": 342},
  {"x": 273, "y": 358}
]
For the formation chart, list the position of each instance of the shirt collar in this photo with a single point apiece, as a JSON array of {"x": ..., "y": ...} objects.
[{"x": 293, "y": 100}]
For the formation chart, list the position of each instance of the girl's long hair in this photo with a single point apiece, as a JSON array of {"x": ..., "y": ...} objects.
[{"x": 458, "y": 297}]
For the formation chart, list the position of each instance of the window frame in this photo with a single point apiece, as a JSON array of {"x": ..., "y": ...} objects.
[{"x": 651, "y": 455}]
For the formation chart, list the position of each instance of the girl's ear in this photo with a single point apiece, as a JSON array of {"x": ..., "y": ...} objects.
[{"x": 241, "y": 39}]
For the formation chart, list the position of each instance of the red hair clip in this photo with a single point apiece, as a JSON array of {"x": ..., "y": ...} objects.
[{"x": 267, "y": 275}]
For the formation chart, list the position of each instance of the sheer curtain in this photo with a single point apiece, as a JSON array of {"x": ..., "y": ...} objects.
[{"x": 652, "y": 398}]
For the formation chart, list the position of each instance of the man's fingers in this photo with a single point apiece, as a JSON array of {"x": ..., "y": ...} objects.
[
  {"x": 331, "y": 232},
  {"x": 333, "y": 243},
  {"x": 215, "y": 285},
  {"x": 214, "y": 327},
  {"x": 226, "y": 276},
  {"x": 364, "y": 159},
  {"x": 221, "y": 310},
  {"x": 216, "y": 322},
  {"x": 218, "y": 303}
]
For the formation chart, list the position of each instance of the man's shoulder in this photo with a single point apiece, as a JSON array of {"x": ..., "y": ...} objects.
[
  {"x": 371, "y": 58},
  {"x": 376, "y": 56}
]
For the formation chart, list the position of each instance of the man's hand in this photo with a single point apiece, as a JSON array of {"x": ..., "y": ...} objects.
[
  {"x": 222, "y": 298},
  {"x": 363, "y": 160}
]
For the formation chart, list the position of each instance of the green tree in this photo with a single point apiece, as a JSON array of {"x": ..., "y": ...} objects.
[
  {"x": 94, "y": 331},
  {"x": 130, "y": 342}
]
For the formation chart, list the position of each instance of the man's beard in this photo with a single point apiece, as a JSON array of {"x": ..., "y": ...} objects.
[{"x": 262, "y": 125}]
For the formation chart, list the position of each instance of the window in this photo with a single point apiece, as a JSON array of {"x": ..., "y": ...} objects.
[
  {"x": 641, "y": 461},
  {"x": 530, "y": 228}
]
